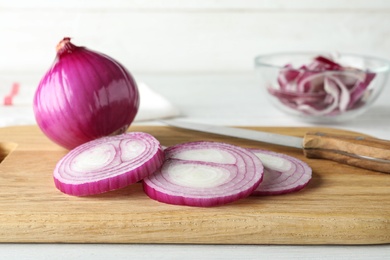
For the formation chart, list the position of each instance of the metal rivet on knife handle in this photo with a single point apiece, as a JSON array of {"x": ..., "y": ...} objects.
[{"x": 365, "y": 152}]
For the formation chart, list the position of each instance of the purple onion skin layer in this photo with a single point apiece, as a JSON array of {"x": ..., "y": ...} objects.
[{"x": 84, "y": 95}]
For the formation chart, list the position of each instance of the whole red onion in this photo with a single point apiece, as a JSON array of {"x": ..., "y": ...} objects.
[{"x": 85, "y": 95}]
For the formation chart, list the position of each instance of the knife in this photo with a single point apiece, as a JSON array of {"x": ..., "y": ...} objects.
[{"x": 359, "y": 151}]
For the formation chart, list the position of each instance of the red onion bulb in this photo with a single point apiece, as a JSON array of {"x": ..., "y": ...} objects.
[{"x": 85, "y": 95}]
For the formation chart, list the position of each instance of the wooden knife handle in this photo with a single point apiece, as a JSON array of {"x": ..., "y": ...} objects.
[{"x": 361, "y": 151}]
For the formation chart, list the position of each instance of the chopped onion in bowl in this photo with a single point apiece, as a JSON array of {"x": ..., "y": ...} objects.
[
  {"x": 322, "y": 87},
  {"x": 108, "y": 163},
  {"x": 282, "y": 173},
  {"x": 204, "y": 174}
]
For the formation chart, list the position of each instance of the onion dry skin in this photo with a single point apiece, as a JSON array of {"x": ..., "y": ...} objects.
[
  {"x": 204, "y": 174},
  {"x": 282, "y": 173},
  {"x": 108, "y": 163},
  {"x": 85, "y": 95}
]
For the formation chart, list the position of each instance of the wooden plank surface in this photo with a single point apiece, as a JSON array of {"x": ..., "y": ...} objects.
[{"x": 341, "y": 205}]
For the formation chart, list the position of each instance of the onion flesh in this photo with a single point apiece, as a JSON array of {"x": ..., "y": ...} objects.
[
  {"x": 85, "y": 95},
  {"x": 322, "y": 88},
  {"x": 282, "y": 173},
  {"x": 108, "y": 163},
  {"x": 204, "y": 174}
]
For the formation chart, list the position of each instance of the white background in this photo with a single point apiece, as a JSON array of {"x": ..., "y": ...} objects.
[{"x": 189, "y": 36}]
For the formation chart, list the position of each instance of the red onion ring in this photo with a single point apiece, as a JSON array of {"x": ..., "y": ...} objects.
[
  {"x": 282, "y": 173},
  {"x": 108, "y": 163},
  {"x": 204, "y": 174}
]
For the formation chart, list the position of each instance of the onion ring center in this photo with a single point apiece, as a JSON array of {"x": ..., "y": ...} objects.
[
  {"x": 197, "y": 176},
  {"x": 94, "y": 159}
]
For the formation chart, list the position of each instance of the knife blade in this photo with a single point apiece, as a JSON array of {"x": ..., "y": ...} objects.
[{"x": 355, "y": 150}]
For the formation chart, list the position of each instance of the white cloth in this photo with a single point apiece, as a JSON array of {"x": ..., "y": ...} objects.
[
  {"x": 17, "y": 98},
  {"x": 153, "y": 105}
]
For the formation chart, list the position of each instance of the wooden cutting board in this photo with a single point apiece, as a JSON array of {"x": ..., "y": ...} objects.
[{"x": 341, "y": 205}]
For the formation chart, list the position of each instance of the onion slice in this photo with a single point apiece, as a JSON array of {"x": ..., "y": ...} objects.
[
  {"x": 282, "y": 173},
  {"x": 204, "y": 174},
  {"x": 108, "y": 163}
]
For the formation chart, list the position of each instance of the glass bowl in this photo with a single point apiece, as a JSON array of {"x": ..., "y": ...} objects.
[{"x": 322, "y": 88}]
